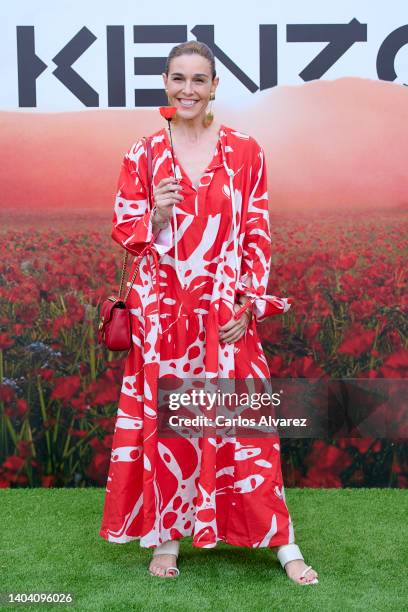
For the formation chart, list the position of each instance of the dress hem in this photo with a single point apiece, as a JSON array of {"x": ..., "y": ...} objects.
[{"x": 127, "y": 539}]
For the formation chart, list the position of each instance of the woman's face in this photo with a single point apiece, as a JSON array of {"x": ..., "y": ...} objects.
[{"x": 189, "y": 85}]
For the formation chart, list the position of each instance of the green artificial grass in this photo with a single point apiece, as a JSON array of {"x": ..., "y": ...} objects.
[{"x": 355, "y": 539}]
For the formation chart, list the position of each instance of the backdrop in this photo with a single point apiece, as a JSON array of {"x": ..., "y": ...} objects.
[{"x": 323, "y": 88}]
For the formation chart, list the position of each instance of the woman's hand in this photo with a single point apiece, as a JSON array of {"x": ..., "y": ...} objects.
[
  {"x": 166, "y": 195},
  {"x": 234, "y": 329}
]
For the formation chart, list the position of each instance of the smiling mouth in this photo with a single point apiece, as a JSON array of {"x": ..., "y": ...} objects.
[{"x": 186, "y": 103}]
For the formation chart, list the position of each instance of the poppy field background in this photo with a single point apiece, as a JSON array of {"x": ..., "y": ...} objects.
[{"x": 347, "y": 276}]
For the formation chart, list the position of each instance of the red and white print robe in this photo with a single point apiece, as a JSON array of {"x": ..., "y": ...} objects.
[{"x": 212, "y": 489}]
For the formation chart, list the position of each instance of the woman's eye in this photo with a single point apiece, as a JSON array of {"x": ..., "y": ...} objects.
[{"x": 197, "y": 80}]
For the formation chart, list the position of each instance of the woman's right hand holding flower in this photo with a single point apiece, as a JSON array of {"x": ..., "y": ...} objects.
[{"x": 166, "y": 194}]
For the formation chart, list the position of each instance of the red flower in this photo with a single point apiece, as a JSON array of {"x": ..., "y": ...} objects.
[
  {"x": 361, "y": 444},
  {"x": 45, "y": 373},
  {"x": 5, "y": 340},
  {"x": 345, "y": 262},
  {"x": 66, "y": 387},
  {"x": 7, "y": 393},
  {"x": 22, "y": 407},
  {"x": 168, "y": 112},
  {"x": 357, "y": 341},
  {"x": 24, "y": 449},
  {"x": 105, "y": 394},
  {"x": 80, "y": 405},
  {"x": 4, "y": 483},
  {"x": 396, "y": 365},
  {"x": 306, "y": 367},
  {"x": 79, "y": 433},
  {"x": 326, "y": 463},
  {"x": 13, "y": 463},
  {"x": 48, "y": 481}
]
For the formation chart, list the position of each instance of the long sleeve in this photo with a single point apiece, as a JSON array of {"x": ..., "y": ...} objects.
[
  {"x": 256, "y": 245},
  {"x": 132, "y": 216}
]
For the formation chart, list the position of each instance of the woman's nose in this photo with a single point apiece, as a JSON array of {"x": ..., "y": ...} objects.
[{"x": 188, "y": 87}]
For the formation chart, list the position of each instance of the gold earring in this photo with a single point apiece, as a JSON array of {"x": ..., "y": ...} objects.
[{"x": 209, "y": 117}]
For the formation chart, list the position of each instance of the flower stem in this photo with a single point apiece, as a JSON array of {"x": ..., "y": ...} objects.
[
  {"x": 172, "y": 150},
  {"x": 45, "y": 418}
]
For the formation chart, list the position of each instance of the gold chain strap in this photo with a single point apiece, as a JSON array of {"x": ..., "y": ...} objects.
[
  {"x": 133, "y": 279},
  {"x": 122, "y": 277}
]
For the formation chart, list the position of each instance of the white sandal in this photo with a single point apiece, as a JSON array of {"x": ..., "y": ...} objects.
[
  {"x": 171, "y": 547},
  {"x": 291, "y": 552}
]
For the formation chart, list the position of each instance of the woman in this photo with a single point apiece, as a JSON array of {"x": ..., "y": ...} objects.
[{"x": 207, "y": 245}]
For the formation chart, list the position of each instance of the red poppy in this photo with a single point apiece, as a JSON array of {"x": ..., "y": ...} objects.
[
  {"x": 13, "y": 463},
  {"x": 66, "y": 387},
  {"x": 168, "y": 112},
  {"x": 21, "y": 407},
  {"x": 79, "y": 433},
  {"x": 396, "y": 365},
  {"x": 98, "y": 467},
  {"x": 357, "y": 341},
  {"x": 4, "y": 483},
  {"x": 7, "y": 393},
  {"x": 345, "y": 262},
  {"x": 48, "y": 481},
  {"x": 106, "y": 393},
  {"x": 24, "y": 448},
  {"x": 5, "y": 341},
  {"x": 45, "y": 373}
]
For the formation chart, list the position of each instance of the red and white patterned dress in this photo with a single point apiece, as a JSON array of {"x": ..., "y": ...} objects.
[{"x": 218, "y": 244}]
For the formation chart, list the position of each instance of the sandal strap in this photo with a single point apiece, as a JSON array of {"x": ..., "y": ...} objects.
[
  {"x": 303, "y": 574},
  {"x": 289, "y": 552},
  {"x": 171, "y": 547},
  {"x": 174, "y": 569}
]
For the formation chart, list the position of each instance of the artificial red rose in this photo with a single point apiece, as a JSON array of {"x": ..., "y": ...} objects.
[{"x": 168, "y": 112}]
